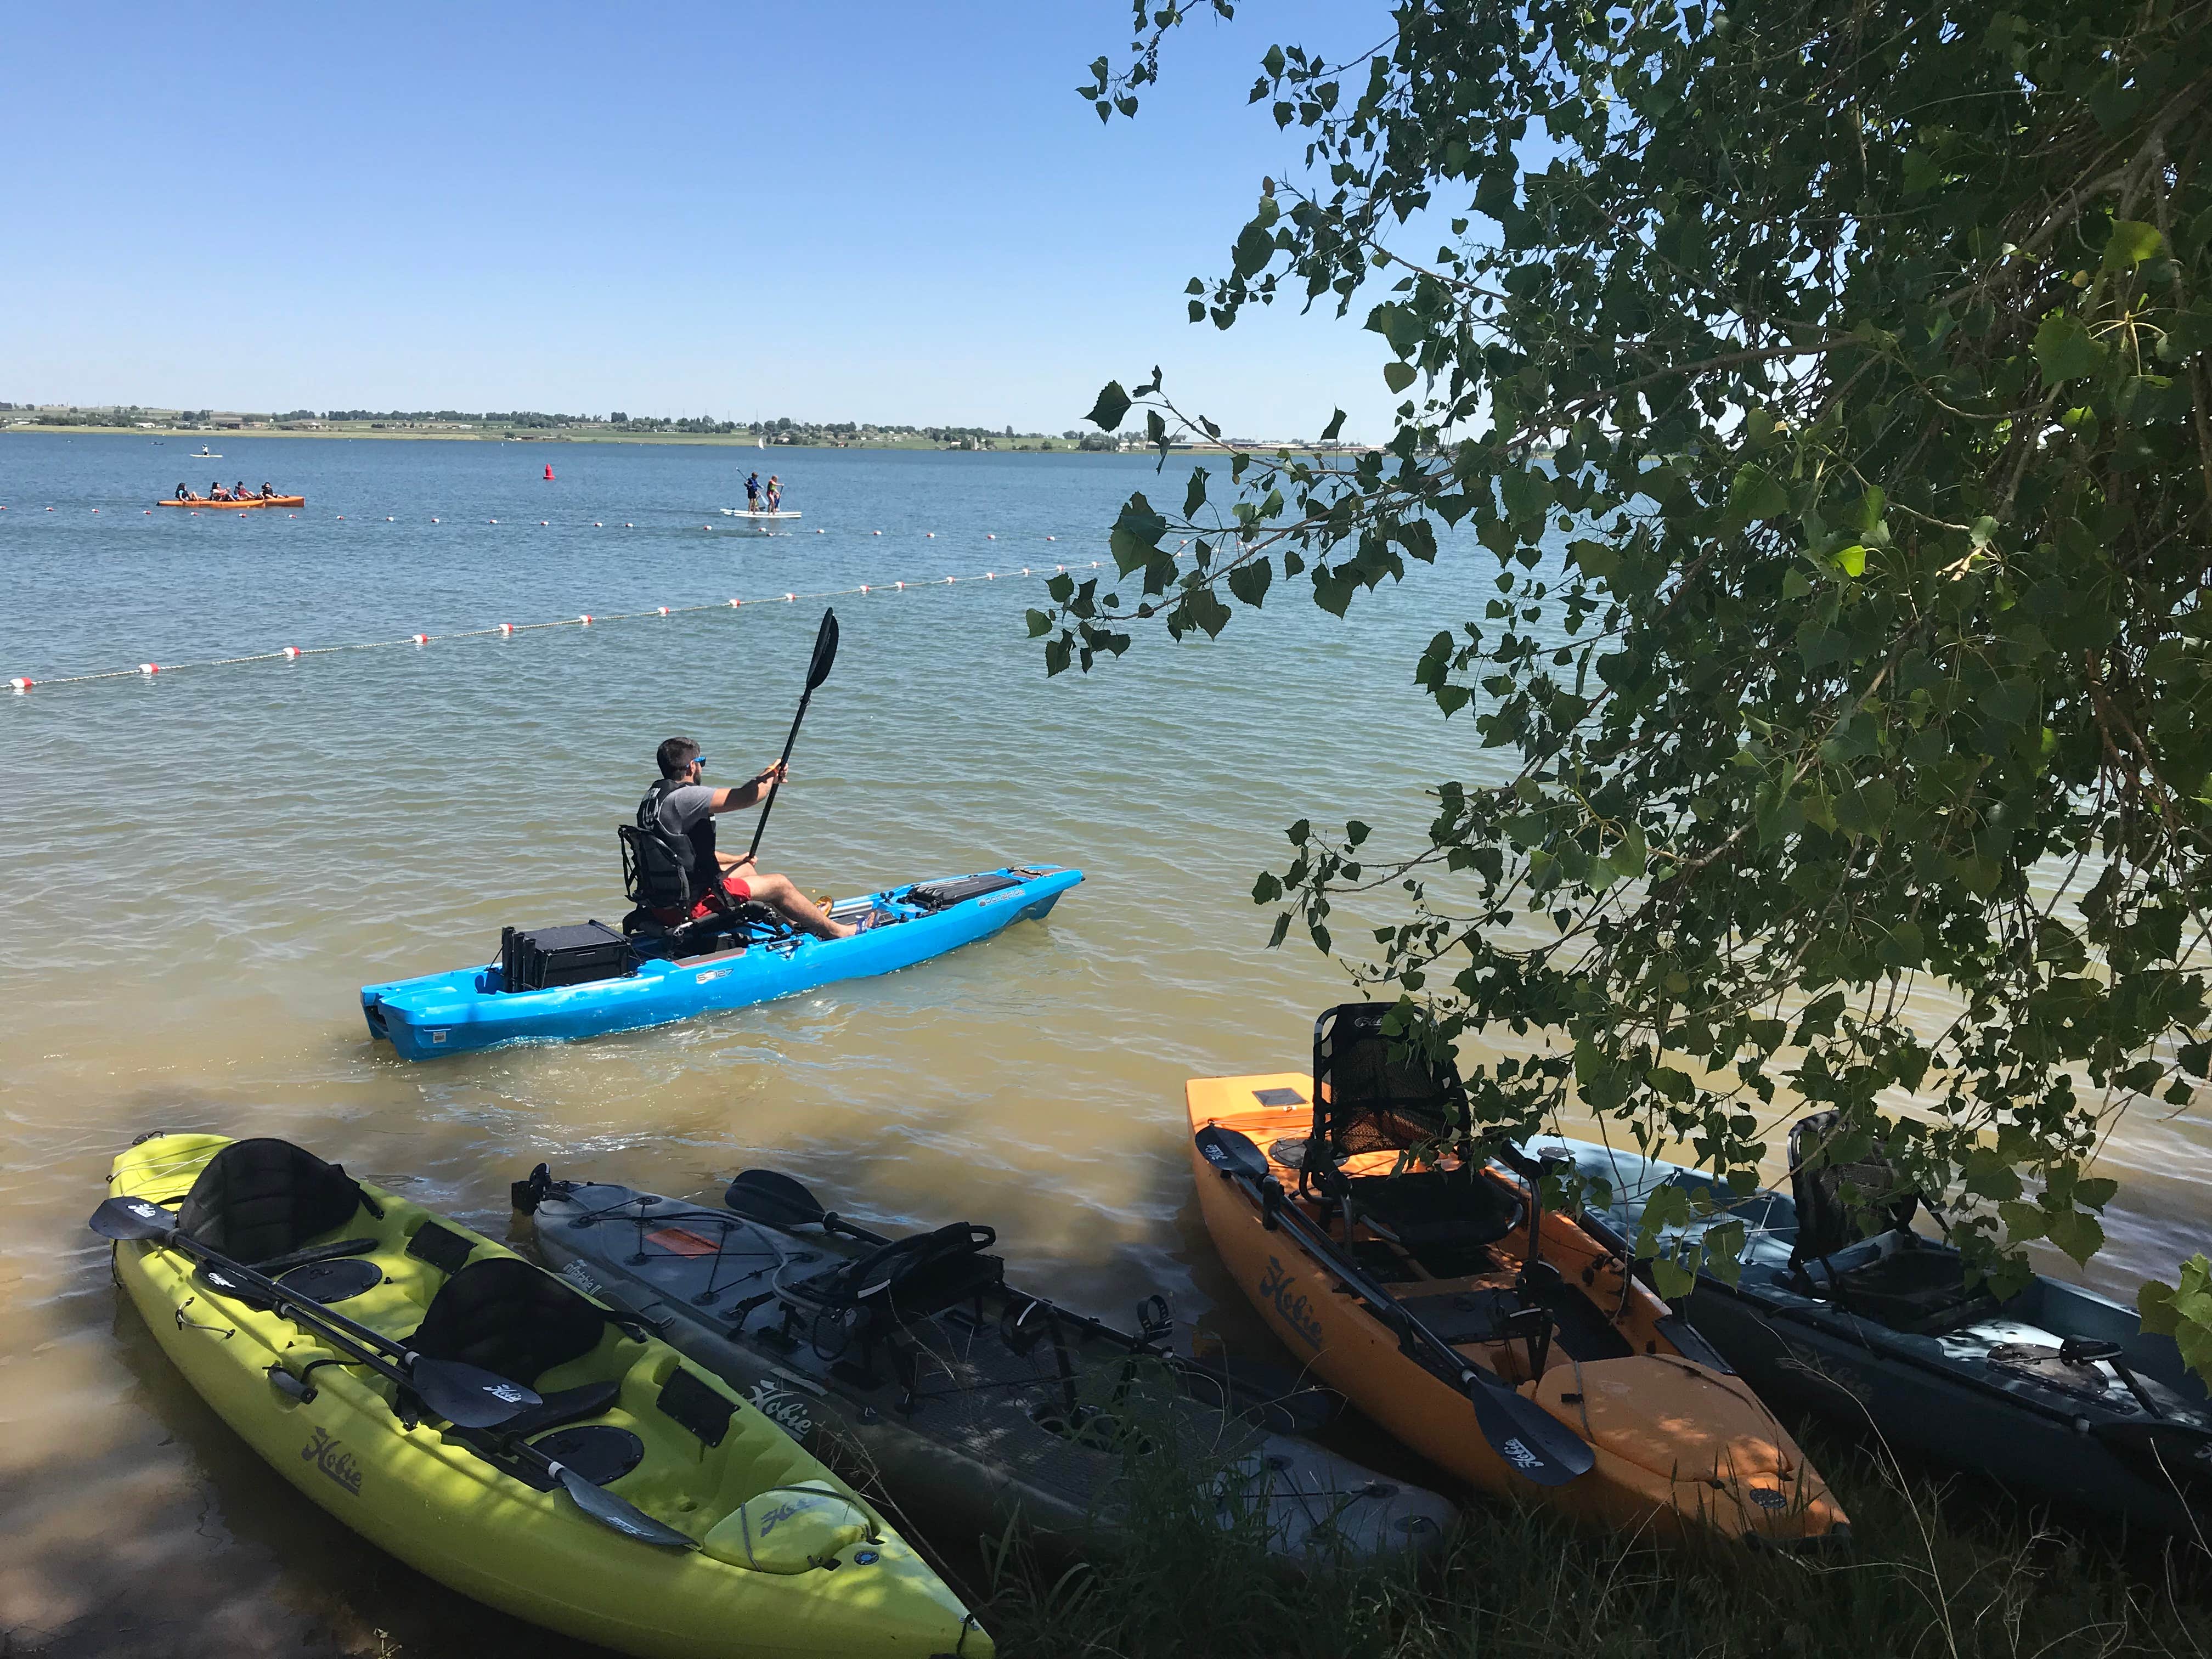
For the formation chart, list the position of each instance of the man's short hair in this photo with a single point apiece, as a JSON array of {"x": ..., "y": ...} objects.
[{"x": 675, "y": 755}]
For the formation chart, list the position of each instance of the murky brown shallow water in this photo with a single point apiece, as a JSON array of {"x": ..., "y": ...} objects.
[{"x": 201, "y": 869}]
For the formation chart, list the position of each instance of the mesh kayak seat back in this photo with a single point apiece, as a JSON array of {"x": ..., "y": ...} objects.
[
  {"x": 519, "y": 1322},
  {"x": 867, "y": 1302},
  {"x": 262, "y": 1198},
  {"x": 1916, "y": 1287},
  {"x": 1368, "y": 1100}
]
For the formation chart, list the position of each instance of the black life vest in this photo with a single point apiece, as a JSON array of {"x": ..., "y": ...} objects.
[{"x": 691, "y": 857}]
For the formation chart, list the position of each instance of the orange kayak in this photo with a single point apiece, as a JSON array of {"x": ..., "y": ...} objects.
[
  {"x": 1679, "y": 1446},
  {"x": 241, "y": 507}
]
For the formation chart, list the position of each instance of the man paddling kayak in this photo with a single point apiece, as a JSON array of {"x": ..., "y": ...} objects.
[{"x": 682, "y": 809}]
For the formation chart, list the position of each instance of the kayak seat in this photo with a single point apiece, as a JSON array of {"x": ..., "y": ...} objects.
[
  {"x": 1367, "y": 1100},
  {"x": 1911, "y": 1286},
  {"x": 510, "y": 1318},
  {"x": 871, "y": 1299},
  {"x": 1425, "y": 1209},
  {"x": 263, "y": 1198},
  {"x": 1915, "y": 1289},
  {"x": 1835, "y": 1201}
]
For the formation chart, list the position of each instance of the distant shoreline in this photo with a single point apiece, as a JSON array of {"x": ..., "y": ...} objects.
[
  {"x": 170, "y": 435},
  {"x": 719, "y": 440}
]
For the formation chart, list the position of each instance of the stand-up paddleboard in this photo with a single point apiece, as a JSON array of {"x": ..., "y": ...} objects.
[{"x": 764, "y": 518}]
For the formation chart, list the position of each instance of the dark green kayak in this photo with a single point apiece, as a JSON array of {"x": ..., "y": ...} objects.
[{"x": 2055, "y": 1391}]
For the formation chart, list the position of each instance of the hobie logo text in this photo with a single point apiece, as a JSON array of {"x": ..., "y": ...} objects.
[
  {"x": 1289, "y": 1302},
  {"x": 332, "y": 1457}
]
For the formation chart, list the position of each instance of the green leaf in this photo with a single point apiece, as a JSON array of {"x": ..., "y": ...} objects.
[
  {"x": 1399, "y": 376},
  {"x": 1250, "y": 582},
  {"x": 1851, "y": 560},
  {"x": 1336, "y": 425},
  {"x": 1193, "y": 495},
  {"x": 1671, "y": 1279},
  {"x": 2130, "y": 243},
  {"x": 1113, "y": 403},
  {"x": 1756, "y": 494},
  {"x": 2065, "y": 350}
]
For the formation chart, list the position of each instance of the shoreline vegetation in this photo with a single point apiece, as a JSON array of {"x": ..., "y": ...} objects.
[
  {"x": 526, "y": 426},
  {"x": 1938, "y": 1568}
]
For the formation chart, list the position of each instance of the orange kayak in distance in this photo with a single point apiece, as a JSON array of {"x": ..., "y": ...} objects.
[
  {"x": 1680, "y": 1446},
  {"x": 241, "y": 507}
]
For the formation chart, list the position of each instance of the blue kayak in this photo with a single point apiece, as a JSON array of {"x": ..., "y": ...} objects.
[{"x": 470, "y": 1008}]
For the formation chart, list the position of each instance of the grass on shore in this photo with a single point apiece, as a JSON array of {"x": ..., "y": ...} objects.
[{"x": 1935, "y": 1572}]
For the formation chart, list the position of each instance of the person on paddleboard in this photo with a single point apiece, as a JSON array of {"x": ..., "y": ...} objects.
[
  {"x": 774, "y": 493},
  {"x": 752, "y": 493},
  {"x": 683, "y": 808}
]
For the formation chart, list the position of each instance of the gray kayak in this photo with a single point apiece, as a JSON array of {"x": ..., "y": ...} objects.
[
  {"x": 914, "y": 1362},
  {"x": 2055, "y": 1391}
]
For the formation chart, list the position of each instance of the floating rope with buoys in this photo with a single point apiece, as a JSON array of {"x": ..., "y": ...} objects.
[{"x": 22, "y": 684}]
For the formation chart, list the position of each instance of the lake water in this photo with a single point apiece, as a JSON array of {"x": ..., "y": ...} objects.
[{"x": 201, "y": 867}]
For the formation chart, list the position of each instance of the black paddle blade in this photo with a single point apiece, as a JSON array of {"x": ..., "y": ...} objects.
[
  {"x": 132, "y": 1218},
  {"x": 609, "y": 1510},
  {"x": 466, "y": 1396},
  {"x": 825, "y": 651},
  {"x": 1231, "y": 1153},
  {"x": 772, "y": 1198},
  {"x": 1534, "y": 1444}
]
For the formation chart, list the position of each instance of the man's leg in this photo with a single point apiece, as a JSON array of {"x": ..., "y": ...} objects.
[{"x": 778, "y": 893}]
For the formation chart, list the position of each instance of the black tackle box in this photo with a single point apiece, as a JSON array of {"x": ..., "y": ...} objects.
[{"x": 537, "y": 958}]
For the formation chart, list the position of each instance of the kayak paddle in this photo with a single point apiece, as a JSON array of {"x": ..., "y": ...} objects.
[
  {"x": 465, "y": 1396},
  {"x": 1285, "y": 1405},
  {"x": 602, "y": 1506},
  {"x": 1530, "y": 1439},
  {"x": 818, "y": 670}
]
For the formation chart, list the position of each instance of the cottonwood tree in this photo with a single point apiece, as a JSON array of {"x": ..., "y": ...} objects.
[{"x": 1856, "y": 355}]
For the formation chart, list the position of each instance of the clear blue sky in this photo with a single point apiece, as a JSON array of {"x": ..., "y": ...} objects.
[{"x": 873, "y": 211}]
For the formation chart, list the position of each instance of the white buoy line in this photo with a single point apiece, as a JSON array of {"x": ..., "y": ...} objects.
[{"x": 23, "y": 684}]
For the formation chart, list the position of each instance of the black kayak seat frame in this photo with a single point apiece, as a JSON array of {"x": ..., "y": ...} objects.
[
  {"x": 1372, "y": 1094},
  {"x": 1841, "y": 1204},
  {"x": 864, "y": 1305}
]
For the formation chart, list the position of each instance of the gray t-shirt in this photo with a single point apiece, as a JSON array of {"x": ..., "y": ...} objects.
[{"x": 682, "y": 808}]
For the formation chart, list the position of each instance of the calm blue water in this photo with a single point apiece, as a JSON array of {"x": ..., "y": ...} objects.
[{"x": 202, "y": 868}]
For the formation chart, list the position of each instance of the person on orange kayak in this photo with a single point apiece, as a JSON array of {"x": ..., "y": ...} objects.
[
  {"x": 216, "y": 492},
  {"x": 184, "y": 494},
  {"x": 682, "y": 808},
  {"x": 268, "y": 489}
]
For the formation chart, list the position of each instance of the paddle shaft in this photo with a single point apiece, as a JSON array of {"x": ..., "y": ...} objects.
[
  {"x": 760, "y": 828},
  {"x": 303, "y": 1309},
  {"x": 1441, "y": 1357}
]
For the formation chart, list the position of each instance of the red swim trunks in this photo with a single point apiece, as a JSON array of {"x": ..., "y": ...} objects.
[{"x": 735, "y": 886}]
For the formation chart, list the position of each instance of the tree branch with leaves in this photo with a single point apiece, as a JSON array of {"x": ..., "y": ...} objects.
[{"x": 1828, "y": 384}]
